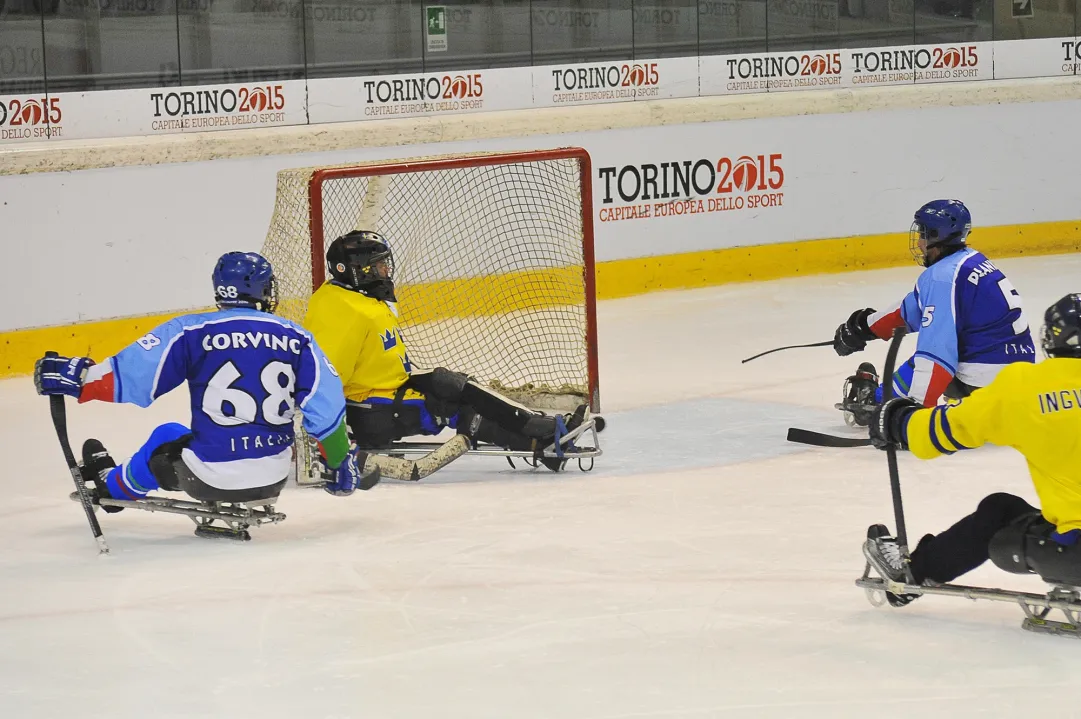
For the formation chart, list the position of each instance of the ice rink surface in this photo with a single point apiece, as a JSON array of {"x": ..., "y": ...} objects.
[{"x": 705, "y": 568}]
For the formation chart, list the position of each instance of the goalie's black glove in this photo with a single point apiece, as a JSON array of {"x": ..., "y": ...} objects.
[
  {"x": 854, "y": 334},
  {"x": 889, "y": 423}
]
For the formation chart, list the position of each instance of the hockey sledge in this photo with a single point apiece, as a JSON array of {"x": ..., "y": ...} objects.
[
  {"x": 580, "y": 444},
  {"x": 213, "y": 520},
  {"x": 1037, "y": 607}
]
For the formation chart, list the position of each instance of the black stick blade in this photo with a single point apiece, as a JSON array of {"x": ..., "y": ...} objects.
[{"x": 816, "y": 439}]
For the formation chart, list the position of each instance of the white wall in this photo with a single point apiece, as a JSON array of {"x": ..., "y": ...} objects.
[{"x": 110, "y": 242}]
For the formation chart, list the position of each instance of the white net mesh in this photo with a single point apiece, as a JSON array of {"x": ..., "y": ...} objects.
[{"x": 490, "y": 262}]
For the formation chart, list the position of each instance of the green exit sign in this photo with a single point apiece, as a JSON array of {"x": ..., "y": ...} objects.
[{"x": 437, "y": 28}]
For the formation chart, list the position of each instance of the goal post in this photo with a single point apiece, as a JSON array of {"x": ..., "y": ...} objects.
[{"x": 493, "y": 261}]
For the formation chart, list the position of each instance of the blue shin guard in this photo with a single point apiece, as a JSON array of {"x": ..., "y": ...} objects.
[{"x": 133, "y": 479}]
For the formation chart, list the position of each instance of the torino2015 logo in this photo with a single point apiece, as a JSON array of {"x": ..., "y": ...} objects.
[
  {"x": 246, "y": 99},
  {"x": 689, "y": 187},
  {"x": 934, "y": 58},
  {"x": 594, "y": 78},
  {"x": 687, "y": 178},
  {"x": 30, "y": 112},
  {"x": 805, "y": 65},
  {"x": 445, "y": 87}
]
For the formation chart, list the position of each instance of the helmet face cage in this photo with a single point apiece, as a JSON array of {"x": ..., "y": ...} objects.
[
  {"x": 364, "y": 262},
  {"x": 939, "y": 223},
  {"x": 369, "y": 272},
  {"x": 916, "y": 233},
  {"x": 270, "y": 298},
  {"x": 1062, "y": 328}
]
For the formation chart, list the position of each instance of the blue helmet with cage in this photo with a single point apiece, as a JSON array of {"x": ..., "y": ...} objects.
[
  {"x": 944, "y": 224},
  {"x": 245, "y": 279}
]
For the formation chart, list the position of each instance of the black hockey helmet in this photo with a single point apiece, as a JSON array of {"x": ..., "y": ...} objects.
[
  {"x": 361, "y": 260},
  {"x": 1062, "y": 328}
]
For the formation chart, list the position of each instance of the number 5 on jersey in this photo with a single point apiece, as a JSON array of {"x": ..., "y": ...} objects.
[
  {"x": 277, "y": 407},
  {"x": 1013, "y": 301}
]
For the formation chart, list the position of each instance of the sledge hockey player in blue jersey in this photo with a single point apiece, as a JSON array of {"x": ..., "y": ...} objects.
[
  {"x": 968, "y": 316},
  {"x": 247, "y": 371}
]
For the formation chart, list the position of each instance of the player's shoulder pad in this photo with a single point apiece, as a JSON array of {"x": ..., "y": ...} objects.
[
  {"x": 946, "y": 269},
  {"x": 357, "y": 304},
  {"x": 243, "y": 315}
]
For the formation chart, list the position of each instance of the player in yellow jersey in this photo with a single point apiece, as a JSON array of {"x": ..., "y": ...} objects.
[
  {"x": 1034, "y": 408},
  {"x": 354, "y": 319}
]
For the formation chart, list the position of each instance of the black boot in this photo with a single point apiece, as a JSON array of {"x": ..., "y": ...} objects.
[
  {"x": 883, "y": 553},
  {"x": 858, "y": 399},
  {"x": 95, "y": 467}
]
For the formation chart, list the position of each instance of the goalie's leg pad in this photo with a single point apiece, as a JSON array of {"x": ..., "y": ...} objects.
[
  {"x": 482, "y": 429},
  {"x": 504, "y": 412},
  {"x": 135, "y": 478}
]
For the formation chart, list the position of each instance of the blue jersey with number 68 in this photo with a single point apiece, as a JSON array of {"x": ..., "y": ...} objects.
[
  {"x": 247, "y": 372},
  {"x": 970, "y": 324}
]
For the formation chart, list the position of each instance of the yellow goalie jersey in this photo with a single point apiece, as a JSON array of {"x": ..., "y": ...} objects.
[
  {"x": 1034, "y": 408},
  {"x": 360, "y": 337}
]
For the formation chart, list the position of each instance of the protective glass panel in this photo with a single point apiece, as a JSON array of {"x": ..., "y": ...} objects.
[
  {"x": 225, "y": 41},
  {"x": 22, "y": 54},
  {"x": 109, "y": 44},
  {"x": 566, "y": 31}
]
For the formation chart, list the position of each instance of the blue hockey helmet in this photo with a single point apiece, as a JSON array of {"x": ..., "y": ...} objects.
[
  {"x": 245, "y": 279},
  {"x": 1062, "y": 328},
  {"x": 940, "y": 223}
]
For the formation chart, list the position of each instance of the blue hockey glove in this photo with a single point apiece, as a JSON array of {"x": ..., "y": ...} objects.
[
  {"x": 61, "y": 375},
  {"x": 349, "y": 477},
  {"x": 889, "y": 423}
]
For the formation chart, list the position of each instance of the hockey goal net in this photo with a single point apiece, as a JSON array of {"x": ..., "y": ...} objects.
[{"x": 493, "y": 261}]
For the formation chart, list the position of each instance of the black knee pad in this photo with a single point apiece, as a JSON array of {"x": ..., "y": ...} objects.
[
  {"x": 441, "y": 383},
  {"x": 163, "y": 464},
  {"x": 377, "y": 426},
  {"x": 1009, "y": 547},
  {"x": 1054, "y": 562}
]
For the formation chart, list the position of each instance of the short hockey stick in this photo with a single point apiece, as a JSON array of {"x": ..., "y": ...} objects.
[
  {"x": 60, "y": 423},
  {"x": 806, "y": 436},
  {"x": 789, "y": 347},
  {"x": 891, "y": 456}
]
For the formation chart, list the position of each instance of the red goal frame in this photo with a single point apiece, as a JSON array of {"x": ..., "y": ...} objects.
[{"x": 315, "y": 199}]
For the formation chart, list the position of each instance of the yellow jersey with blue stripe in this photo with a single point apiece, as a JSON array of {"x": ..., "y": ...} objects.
[
  {"x": 361, "y": 338},
  {"x": 1034, "y": 408}
]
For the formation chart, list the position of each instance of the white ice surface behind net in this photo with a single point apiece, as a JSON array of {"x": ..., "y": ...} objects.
[{"x": 705, "y": 568}]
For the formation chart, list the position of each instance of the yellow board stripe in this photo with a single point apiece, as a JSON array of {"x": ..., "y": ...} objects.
[
  {"x": 486, "y": 296},
  {"x": 619, "y": 278}
]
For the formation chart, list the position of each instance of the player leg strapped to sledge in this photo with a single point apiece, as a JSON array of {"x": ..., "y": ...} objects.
[
  {"x": 1014, "y": 535},
  {"x": 217, "y": 513},
  {"x": 1027, "y": 544},
  {"x": 486, "y": 422}
]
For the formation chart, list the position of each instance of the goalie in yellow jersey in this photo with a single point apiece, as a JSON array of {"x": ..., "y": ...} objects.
[
  {"x": 354, "y": 319},
  {"x": 1034, "y": 408}
]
